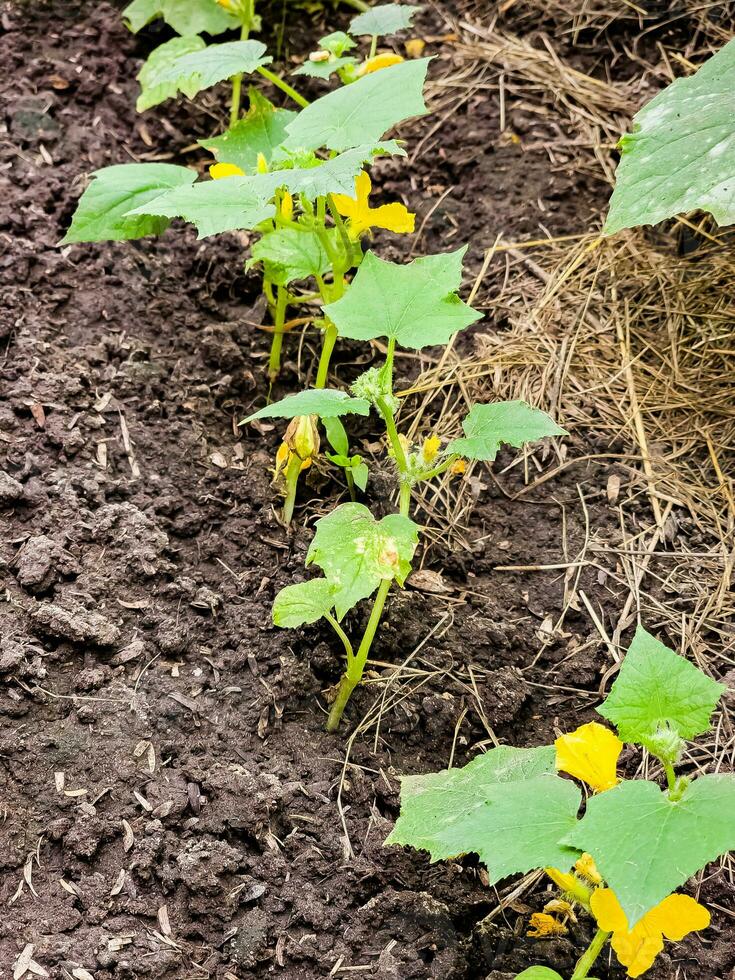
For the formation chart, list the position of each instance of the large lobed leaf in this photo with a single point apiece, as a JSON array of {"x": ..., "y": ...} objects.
[
  {"x": 363, "y": 111},
  {"x": 190, "y": 72},
  {"x": 152, "y": 89},
  {"x": 260, "y": 131},
  {"x": 383, "y": 19},
  {"x": 508, "y": 806},
  {"x": 185, "y": 16},
  {"x": 646, "y": 845},
  {"x": 415, "y": 304},
  {"x": 102, "y": 211},
  {"x": 681, "y": 153},
  {"x": 356, "y": 552},
  {"x": 327, "y": 403},
  {"x": 488, "y": 427},
  {"x": 658, "y": 689}
]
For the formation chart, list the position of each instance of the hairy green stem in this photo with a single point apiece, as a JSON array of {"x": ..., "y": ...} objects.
[
  {"x": 670, "y": 775},
  {"x": 356, "y": 667},
  {"x": 292, "y": 481},
  {"x": 283, "y": 86},
  {"x": 274, "y": 361},
  {"x": 330, "y": 339},
  {"x": 342, "y": 635},
  {"x": 442, "y": 467},
  {"x": 588, "y": 958}
]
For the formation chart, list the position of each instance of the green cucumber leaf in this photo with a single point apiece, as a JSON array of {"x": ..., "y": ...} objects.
[
  {"x": 290, "y": 253},
  {"x": 384, "y": 19},
  {"x": 415, "y": 304},
  {"x": 303, "y": 603},
  {"x": 363, "y": 111},
  {"x": 360, "y": 474},
  {"x": 646, "y": 845},
  {"x": 540, "y": 973},
  {"x": 102, "y": 211},
  {"x": 487, "y": 427},
  {"x": 327, "y": 403},
  {"x": 323, "y": 69},
  {"x": 261, "y": 130},
  {"x": 508, "y": 806},
  {"x": 681, "y": 152},
  {"x": 152, "y": 89},
  {"x": 337, "y": 43},
  {"x": 337, "y": 437},
  {"x": 336, "y": 175},
  {"x": 194, "y": 71},
  {"x": 659, "y": 689},
  {"x": 215, "y": 206},
  {"x": 185, "y": 16},
  {"x": 356, "y": 552}
]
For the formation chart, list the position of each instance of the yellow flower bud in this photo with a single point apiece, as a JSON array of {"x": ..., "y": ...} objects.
[
  {"x": 286, "y": 206},
  {"x": 219, "y": 170},
  {"x": 384, "y": 60}
]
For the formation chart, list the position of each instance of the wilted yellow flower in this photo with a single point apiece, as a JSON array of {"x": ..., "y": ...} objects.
[
  {"x": 415, "y": 47},
  {"x": 219, "y": 170},
  {"x": 542, "y": 924},
  {"x": 559, "y": 906},
  {"x": 379, "y": 61},
  {"x": 591, "y": 754},
  {"x": 301, "y": 440},
  {"x": 637, "y": 948},
  {"x": 587, "y": 868},
  {"x": 430, "y": 448},
  {"x": 394, "y": 217},
  {"x": 458, "y": 468}
]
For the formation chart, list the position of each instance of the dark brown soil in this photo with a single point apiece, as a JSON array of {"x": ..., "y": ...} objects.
[{"x": 169, "y": 796}]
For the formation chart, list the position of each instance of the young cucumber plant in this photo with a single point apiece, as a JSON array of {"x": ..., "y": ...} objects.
[
  {"x": 414, "y": 305},
  {"x": 681, "y": 153},
  {"x": 635, "y": 843},
  {"x": 295, "y": 178}
]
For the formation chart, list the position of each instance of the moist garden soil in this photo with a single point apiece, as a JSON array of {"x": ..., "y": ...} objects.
[{"x": 171, "y": 806}]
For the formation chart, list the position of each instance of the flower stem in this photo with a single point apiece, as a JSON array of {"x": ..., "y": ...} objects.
[
  {"x": 274, "y": 362},
  {"x": 237, "y": 80},
  {"x": 292, "y": 481},
  {"x": 283, "y": 86},
  {"x": 356, "y": 667},
  {"x": 587, "y": 959}
]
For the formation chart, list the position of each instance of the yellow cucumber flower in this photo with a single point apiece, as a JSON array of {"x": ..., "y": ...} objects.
[
  {"x": 458, "y": 468},
  {"x": 379, "y": 61},
  {"x": 394, "y": 217},
  {"x": 219, "y": 170},
  {"x": 542, "y": 925},
  {"x": 637, "y": 948},
  {"x": 301, "y": 440},
  {"x": 430, "y": 449},
  {"x": 591, "y": 754}
]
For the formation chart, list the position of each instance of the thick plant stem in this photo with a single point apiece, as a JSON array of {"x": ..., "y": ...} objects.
[
  {"x": 274, "y": 362},
  {"x": 283, "y": 86},
  {"x": 588, "y": 958},
  {"x": 356, "y": 666},
  {"x": 330, "y": 339},
  {"x": 292, "y": 481}
]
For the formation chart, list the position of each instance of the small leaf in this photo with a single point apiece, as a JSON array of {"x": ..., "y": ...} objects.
[
  {"x": 139, "y": 13},
  {"x": 360, "y": 474},
  {"x": 152, "y": 89},
  {"x": 261, "y": 131},
  {"x": 646, "y": 845},
  {"x": 356, "y": 552},
  {"x": 508, "y": 806},
  {"x": 303, "y": 603},
  {"x": 215, "y": 206},
  {"x": 658, "y": 689},
  {"x": 337, "y": 43},
  {"x": 415, "y": 304},
  {"x": 291, "y": 253},
  {"x": 337, "y": 437},
  {"x": 323, "y": 69},
  {"x": 384, "y": 19},
  {"x": 193, "y": 72},
  {"x": 185, "y": 16},
  {"x": 487, "y": 427},
  {"x": 540, "y": 973},
  {"x": 681, "y": 153},
  {"x": 102, "y": 211},
  {"x": 324, "y": 402},
  {"x": 363, "y": 111},
  {"x": 334, "y": 176}
]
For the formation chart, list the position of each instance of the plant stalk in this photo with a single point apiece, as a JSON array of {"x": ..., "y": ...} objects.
[
  {"x": 330, "y": 339},
  {"x": 588, "y": 958},
  {"x": 356, "y": 667},
  {"x": 274, "y": 361},
  {"x": 283, "y": 86},
  {"x": 237, "y": 80},
  {"x": 292, "y": 481}
]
